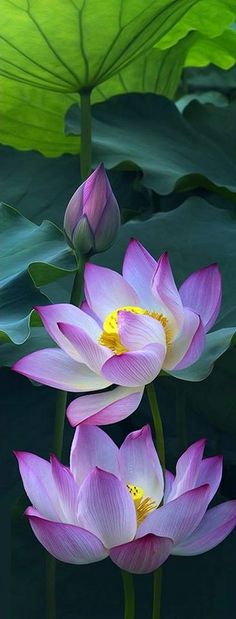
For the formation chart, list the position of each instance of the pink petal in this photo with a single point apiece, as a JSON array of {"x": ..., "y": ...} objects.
[
  {"x": 90, "y": 351},
  {"x": 177, "y": 518},
  {"x": 137, "y": 330},
  {"x": 167, "y": 296},
  {"x": 92, "y": 447},
  {"x": 135, "y": 369},
  {"x": 187, "y": 470},
  {"x": 139, "y": 463},
  {"x": 106, "y": 508},
  {"x": 67, "y": 542},
  {"x": 201, "y": 291},
  {"x": 104, "y": 408},
  {"x": 188, "y": 345},
  {"x": 106, "y": 290},
  {"x": 138, "y": 270},
  {"x": 143, "y": 555},
  {"x": 51, "y": 315},
  {"x": 51, "y": 366},
  {"x": 169, "y": 479},
  {"x": 85, "y": 308},
  {"x": 217, "y": 523},
  {"x": 67, "y": 491},
  {"x": 39, "y": 484},
  {"x": 195, "y": 350},
  {"x": 210, "y": 472}
]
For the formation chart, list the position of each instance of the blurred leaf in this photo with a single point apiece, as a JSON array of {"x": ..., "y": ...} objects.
[
  {"x": 172, "y": 150},
  {"x": 159, "y": 70},
  {"x": 33, "y": 118},
  {"x": 31, "y": 256},
  {"x": 41, "y": 188}
]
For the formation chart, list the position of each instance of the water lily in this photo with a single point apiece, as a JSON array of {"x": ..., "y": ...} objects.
[
  {"x": 130, "y": 327},
  {"x": 92, "y": 217},
  {"x": 109, "y": 502}
]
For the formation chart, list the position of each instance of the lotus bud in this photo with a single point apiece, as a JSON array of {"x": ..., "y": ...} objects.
[{"x": 92, "y": 217}]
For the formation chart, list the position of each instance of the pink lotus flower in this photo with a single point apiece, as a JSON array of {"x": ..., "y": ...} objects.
[
  {"x": 92, "y": 217},
  {"x": 108, "y": 502},
  {"x": 128, "y": 329}
]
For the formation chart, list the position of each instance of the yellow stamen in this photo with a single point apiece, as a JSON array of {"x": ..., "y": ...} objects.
[
  {"x": 143, "y": 506},
  {"x": 110, "y": 336}
]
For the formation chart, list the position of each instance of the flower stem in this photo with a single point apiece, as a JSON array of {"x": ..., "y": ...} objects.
[
  {"x": 50, "y": 587},
  {"x": 160, "y": 446},
  {"x": 129, "y": 597},
  {"x": 157, "y": 582},
  {"x": 159, "y": 436},
  {"x": 76, "y": 298},
  {"x": 61, "y": 399},
  {"x": 180, "y": 406},
  {"x": 85, "y": 134}
]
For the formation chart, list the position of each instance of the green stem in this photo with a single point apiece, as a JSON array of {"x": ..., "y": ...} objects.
[
  {"x": 85, "y": 134},
  {"x": 129, "y": 597},
  {"x": 157, "y": 582},
  {"x": 76, "y": 297},
  {"x": 77, "y": 289},
  {"x": 50, "y": 587},
  {"x": 180, "y": 407},
  {"x": 160, "y": 445}
]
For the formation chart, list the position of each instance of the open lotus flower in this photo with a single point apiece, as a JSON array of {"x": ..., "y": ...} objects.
[
  {"x": 129, "y": 328},
  {"x": 109, "y": 502}
]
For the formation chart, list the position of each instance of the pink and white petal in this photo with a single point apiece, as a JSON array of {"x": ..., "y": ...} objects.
[
  {"x": 51, "y": 366},
  {"x": 85, "y": 308},
  {"x": 137, "y": 331},
  {"x": 106, "y": 290},
  {"x": 39, "y": 484},
  {"x": 106, "y": 508},
  {"x": 143, "y": 555},
  {"x": 210, "y": 472},
  {"x": 90, "y": 351},
  {"x": 104, "y": 408},
  {"x": 67, "y": 491},
  {"x": 135, "y": 369},
  {"x": 67, "y": 542},
  {"x": 92, "y": 447},
  {"x": 139, "y": 463},
  {"x": 188, "y": 469},
  {"x": 178, "y": 518},
  {"x": 167, "y": 296},
  {"x": 51, "y": 315},
  {"x": 188, "y": 344},
  {"x": 202, "y": 292},
  {"x": 195, "y": 350},
  {"x": 169, "y": 480},
  {"x": 138, "y": 270},
  {"x": 217, "y": 523}
]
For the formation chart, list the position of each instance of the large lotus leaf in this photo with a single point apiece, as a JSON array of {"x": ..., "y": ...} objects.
[
  {"x": 159, "y": 70},
  {"x": 31, "y": 256},
  {"x": 33, "y": 118},
  {"x": 184, "y": 233},
  {"x": 67, "y": 46},
  {"x": 172, "y": 149}
]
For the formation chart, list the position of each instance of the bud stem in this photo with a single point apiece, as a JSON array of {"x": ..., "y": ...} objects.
[{"x": 85, "y": 137}]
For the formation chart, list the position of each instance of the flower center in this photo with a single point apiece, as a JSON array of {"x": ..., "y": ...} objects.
[
  {"x": 142, "y": 506},
  {"x": 110, "y": 335}
]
